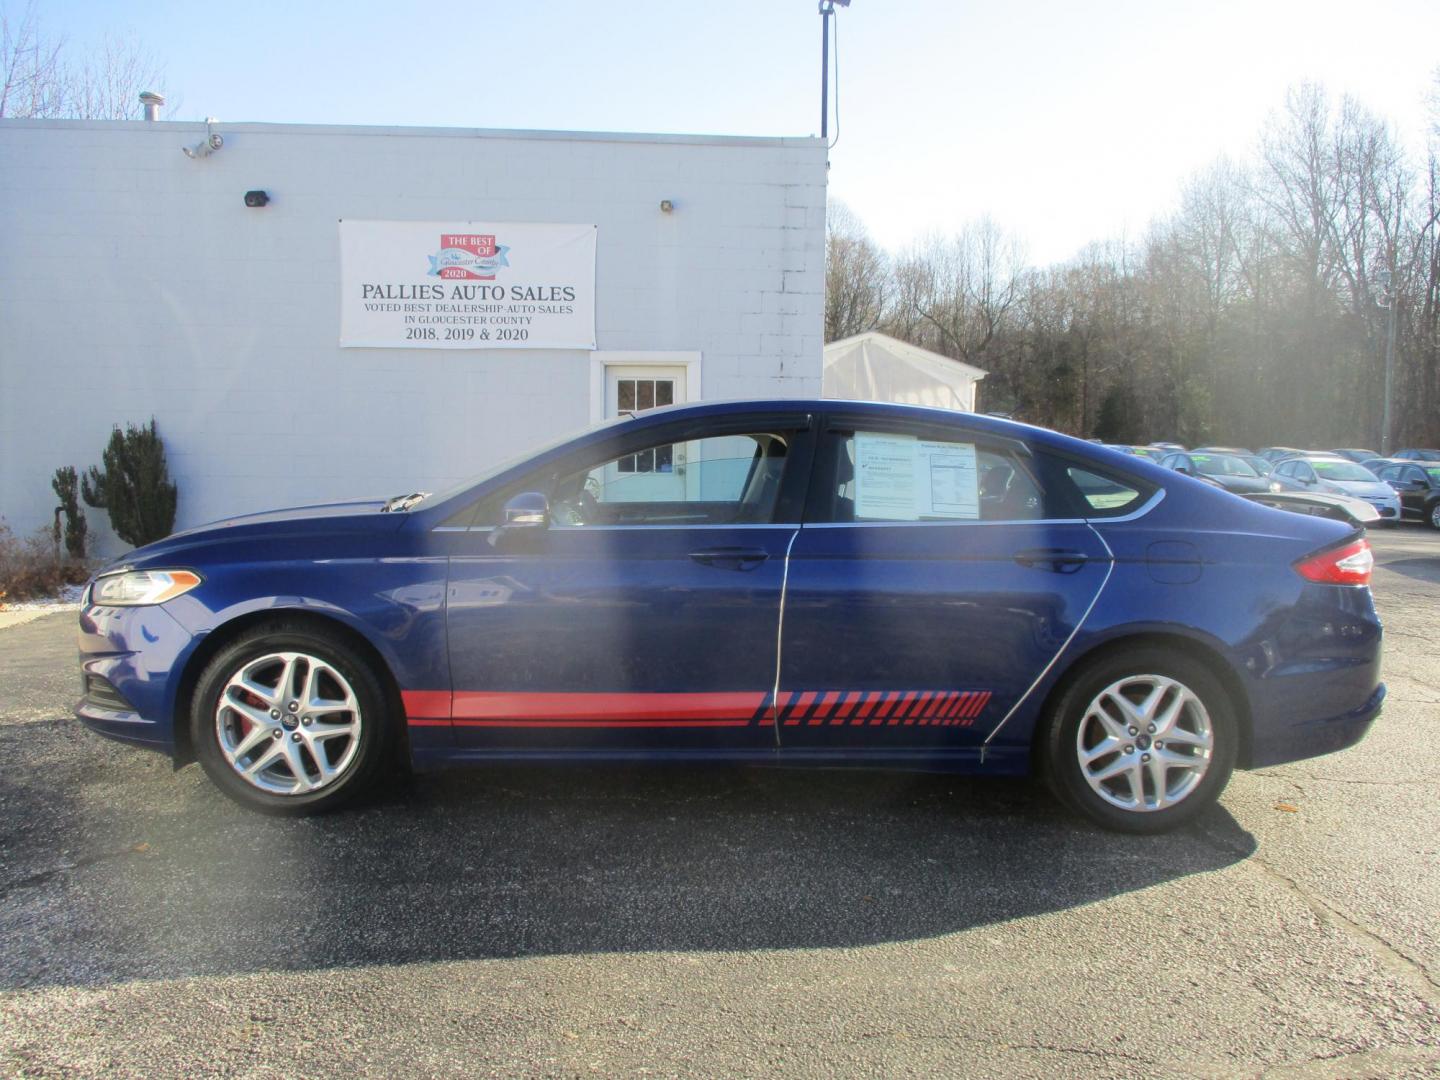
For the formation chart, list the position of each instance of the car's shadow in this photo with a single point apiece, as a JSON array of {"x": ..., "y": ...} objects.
[{"x": 126, "y": 871}]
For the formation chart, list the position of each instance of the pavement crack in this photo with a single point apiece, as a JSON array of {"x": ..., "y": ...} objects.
[{"x": 1405, "y": 968}]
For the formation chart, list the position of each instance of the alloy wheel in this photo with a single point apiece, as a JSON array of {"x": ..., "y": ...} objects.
[
  {"x": 1144, "y": 743},
  {"x": 288, "y": 723}
]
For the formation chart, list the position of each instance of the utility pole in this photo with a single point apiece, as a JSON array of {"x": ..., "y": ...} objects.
[
  {"x": 1386, "y": 279},
  {"x": 827, "y": 8}
]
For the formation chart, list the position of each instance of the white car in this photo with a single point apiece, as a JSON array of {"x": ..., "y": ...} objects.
[{"x": 1332, "y": 474}]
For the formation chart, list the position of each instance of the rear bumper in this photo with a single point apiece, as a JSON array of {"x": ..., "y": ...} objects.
[{"x": 1312, "y": 738}]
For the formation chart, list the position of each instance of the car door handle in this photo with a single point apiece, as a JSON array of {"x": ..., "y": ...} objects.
[
  {"x": 1060, "y": 560},
  {"x": 731, "y": 558}
]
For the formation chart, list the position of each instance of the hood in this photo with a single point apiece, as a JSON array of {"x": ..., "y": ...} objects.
[
  {"x": 347, "y": 508},
  {"x": 1365, "y": 489},
  {"x": 350, "y": 517}
]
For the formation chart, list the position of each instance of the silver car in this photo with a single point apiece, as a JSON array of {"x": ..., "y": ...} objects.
[{"x": 1333, "y": 475}]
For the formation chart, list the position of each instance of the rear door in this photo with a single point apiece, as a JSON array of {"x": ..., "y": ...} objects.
[{"x": 933, "y": 581}]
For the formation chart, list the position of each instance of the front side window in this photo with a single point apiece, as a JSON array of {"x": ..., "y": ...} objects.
[{"x": 718, "y": 480}]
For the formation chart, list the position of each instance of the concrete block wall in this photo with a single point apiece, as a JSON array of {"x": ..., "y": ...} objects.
[{"x": 134, "y": 282}]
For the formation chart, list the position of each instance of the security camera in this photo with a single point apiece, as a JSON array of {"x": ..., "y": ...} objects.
[{"x": 207, "y": 146}]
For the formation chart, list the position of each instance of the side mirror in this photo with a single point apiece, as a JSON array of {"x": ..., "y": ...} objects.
[
  {"x": 1182, "y": 470},
  {"x": 527, "y": 510}
]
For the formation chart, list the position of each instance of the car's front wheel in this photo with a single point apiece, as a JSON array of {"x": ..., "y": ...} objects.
[
  {"x": 1434, "y": 514},
  {"x": 289, "y": 720},
  {"x": 1140, "y": 741}
]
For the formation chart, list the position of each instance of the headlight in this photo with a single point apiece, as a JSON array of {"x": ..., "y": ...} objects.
[{"x": 136, "y": 587}]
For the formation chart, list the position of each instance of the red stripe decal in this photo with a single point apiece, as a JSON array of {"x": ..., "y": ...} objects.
[
  {"x": 870, "y": 700},
  {"x": 826, "y": 707},
  {"x": 848, "y": 701},
  {"x": 426, "y": 704},
  {"x": 980, "y": 702},
  {"x": 792, "y": 714},
  {"x": 958, "y": 709},
  {"x": 621, "y": 710}
]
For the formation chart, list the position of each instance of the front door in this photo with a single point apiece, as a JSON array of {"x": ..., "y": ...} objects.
[{"x": 645, "y": 616}]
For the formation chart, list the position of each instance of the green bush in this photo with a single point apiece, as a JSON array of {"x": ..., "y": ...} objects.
[
  {"x": 134, "y": 487},
  {"x": 67, "y": 489}
]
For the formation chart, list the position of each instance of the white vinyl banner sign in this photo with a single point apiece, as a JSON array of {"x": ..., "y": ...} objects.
[{"x": 466, "y": 285}]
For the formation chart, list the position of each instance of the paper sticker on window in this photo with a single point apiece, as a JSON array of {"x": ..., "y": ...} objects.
[
  {"x": 954, "y": 480},
  {"x": 885, "y": 477},
  {"x": 905, "y": 479}
]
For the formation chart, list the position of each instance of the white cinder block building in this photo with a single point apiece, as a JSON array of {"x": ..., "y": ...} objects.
[{"x": 136, "y": 282}]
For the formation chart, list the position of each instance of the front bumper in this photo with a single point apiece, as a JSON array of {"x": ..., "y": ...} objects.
[{"x": 138, "y": 651}]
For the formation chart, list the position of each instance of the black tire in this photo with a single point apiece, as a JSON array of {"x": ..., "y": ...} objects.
[
  {"x": 1432, "y": 514},
  {"x": 1057, "y": 739},
  {"x": 356, "y": 772}
]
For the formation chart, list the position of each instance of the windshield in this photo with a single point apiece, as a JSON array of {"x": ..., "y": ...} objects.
[
  {"x": 436, "y": 498},
  {"x": 1342, "y": 470},
  {"x": 1222, "y": 465}
]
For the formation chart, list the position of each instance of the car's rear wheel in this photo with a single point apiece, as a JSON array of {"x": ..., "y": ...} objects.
[
  {"x": 289, "y": 720},
  {"x": 1140, "y": 741},
  {"x": 1434, "y": 514}
]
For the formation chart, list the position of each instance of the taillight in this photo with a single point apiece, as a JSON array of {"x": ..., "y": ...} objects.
[{"x": 1348, "y": 564}]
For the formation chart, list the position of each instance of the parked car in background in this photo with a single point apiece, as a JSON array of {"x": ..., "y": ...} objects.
[
  {"x": 1147, "y": 452},
  {"x": 1166, "y": 446},
  {"x": 1352, "y": 511},
  {"x": 1356, "y": 455},
  {"x": 1417, "y": 483},
  {"x": 1276, "y": 453},
  {"x": 1334, "y": 475},
  {"x": 1258, "y": 463},
  {"x": 1418, "y": 455},
  {"x": 1238, "y": 451},
  {"x": 1229, "y": 471},
  {"x": 827, "y": 584}
]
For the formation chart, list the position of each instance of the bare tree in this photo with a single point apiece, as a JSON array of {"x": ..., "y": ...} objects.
[
  {"x": 43, "y": 79},
  {"x": 857, "y": 275}
]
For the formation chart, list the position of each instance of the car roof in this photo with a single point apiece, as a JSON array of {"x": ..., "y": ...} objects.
[{"x": 1013, "y": 429}]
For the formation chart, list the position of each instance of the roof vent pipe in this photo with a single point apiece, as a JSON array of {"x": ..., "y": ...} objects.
[{"x": 152, "y": 102}]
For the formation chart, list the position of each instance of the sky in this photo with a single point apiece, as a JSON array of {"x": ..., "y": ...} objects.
[{"x": 1066, "y": 123}]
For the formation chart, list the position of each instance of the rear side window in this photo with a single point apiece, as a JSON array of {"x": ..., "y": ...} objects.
[
  {"x": 1103, "y": 494},
  {"x": 881, "y": 476}
]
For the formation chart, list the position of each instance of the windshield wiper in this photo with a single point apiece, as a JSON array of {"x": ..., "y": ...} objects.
[{"x": 403, "y": 502}]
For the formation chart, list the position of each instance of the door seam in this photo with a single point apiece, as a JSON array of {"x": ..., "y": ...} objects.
[{"x": 780, "y": 641}]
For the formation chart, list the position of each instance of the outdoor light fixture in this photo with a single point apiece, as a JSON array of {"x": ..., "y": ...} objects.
[
  {"x": 256, "y": 198},
  {"x": 666, "y": 206}
]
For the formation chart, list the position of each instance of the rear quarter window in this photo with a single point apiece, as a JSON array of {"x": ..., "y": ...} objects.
[{"x": 1100, "y": 492}]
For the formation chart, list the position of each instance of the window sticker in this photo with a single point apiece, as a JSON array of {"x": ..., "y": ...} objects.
[
  {"x": 885, "y": 477},
  {"x": 899, "y": 478},
  {"x": 954, "y": 480}
]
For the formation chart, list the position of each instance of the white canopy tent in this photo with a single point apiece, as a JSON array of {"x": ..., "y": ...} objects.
[{"x": 875, "y": 367}]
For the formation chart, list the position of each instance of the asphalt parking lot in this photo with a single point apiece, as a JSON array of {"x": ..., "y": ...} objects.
[{"x": 721, "y": 922}]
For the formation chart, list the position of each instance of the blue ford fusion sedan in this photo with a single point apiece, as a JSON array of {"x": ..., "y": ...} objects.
[{"x": 816, "y": 583}]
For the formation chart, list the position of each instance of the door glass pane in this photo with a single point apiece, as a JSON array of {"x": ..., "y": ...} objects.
[
  {"x": 726, "y": 479},
  {"x": 886, "y": 477},
  {"x": 645, "y": 393},
  {"x": 664, "y": 392},
  {"x": 625, "y": 395}
]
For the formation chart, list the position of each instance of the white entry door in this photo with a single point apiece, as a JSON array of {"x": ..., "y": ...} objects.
[{"x": 656, "y": 474}]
